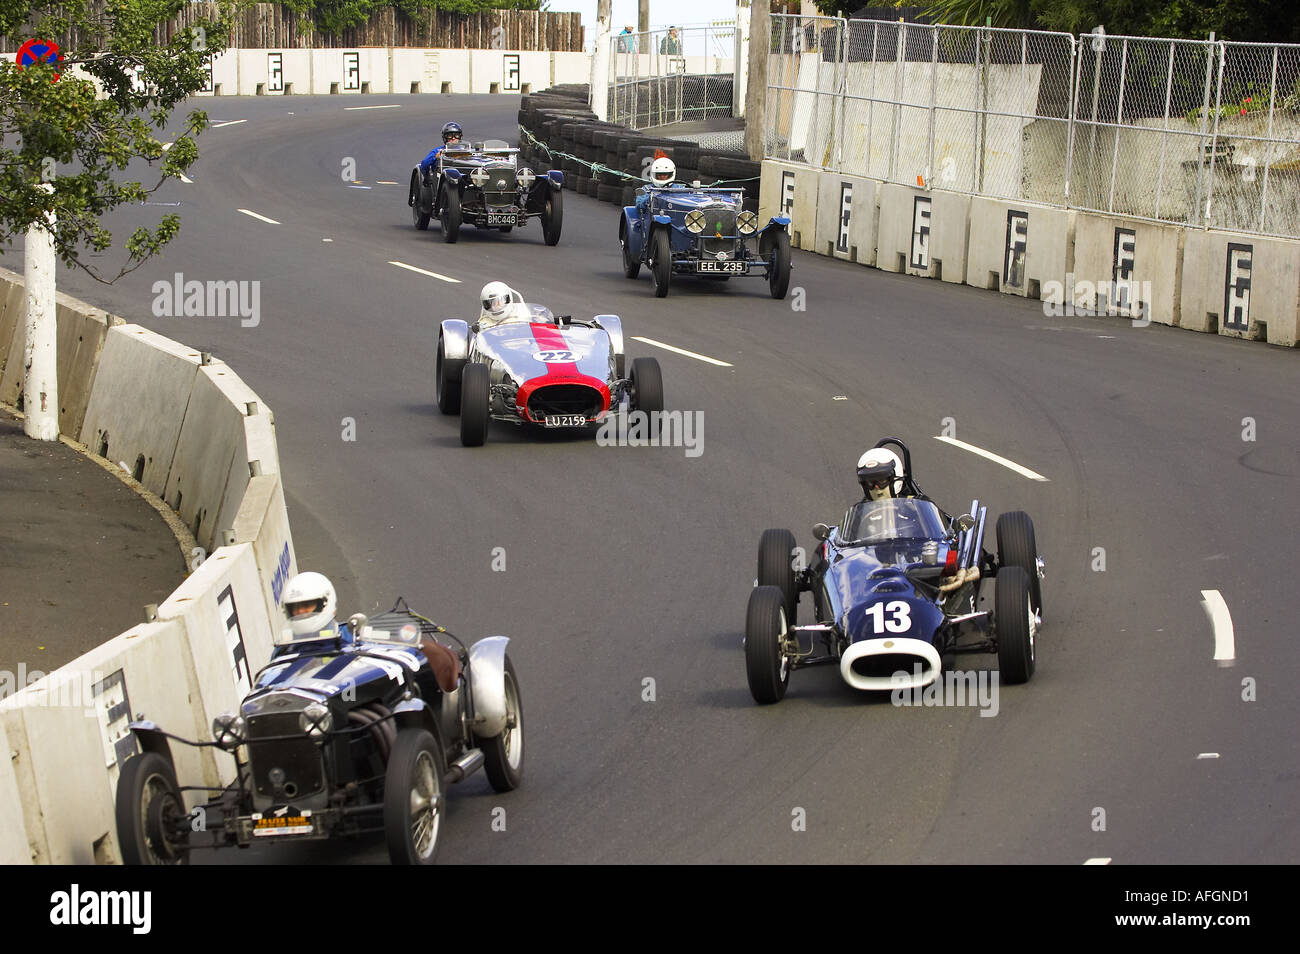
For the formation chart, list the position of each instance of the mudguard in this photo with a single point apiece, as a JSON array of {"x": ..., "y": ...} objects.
[
  {"x": 455, "y": 339},
  {"x": 777, "y": 223},
  {"x": 453, "y": 175},
  {"x": 635, "y": 237},
  {"x": 416, "y": 714},
  {"x": 556, "y": 177},
  {"x": 151, "y": 739},
  {"x": 487, "y": 672},
  {"x": 613, "y": 326},
  {"x": 663, "y": 219}
]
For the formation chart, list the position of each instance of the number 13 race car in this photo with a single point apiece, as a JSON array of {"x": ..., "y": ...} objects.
[{"x": 894, "y": 588}]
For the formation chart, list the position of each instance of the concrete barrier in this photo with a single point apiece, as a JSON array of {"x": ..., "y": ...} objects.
[
  {"x": 1125, "y": 268},
  {"x": 263, "y": 522},
  {"x": 846, "y": 221},
  {"x": 139, "y": 425},
  {"x": 923, "y": 233},
  {"x": 1242, "y": 286},
  {"x": 1015, "y": 247},
  {"x": 14, "y": 847},
  {"x": 788, "y": 189},
  {"x": 12, "y": 315}
]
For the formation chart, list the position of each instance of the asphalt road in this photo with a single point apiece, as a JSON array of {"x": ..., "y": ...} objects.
[{"x": 627, "y": 564}]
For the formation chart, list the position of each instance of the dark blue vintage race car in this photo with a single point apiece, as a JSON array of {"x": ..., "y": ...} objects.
[
  {"x": 337, "y": 739},
  {"x": 702, "y": 232},
  {"x": 895, "y": 587}
]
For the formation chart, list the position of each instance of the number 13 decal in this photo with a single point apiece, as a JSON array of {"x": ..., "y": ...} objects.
[{"x": 899, "y": 621}]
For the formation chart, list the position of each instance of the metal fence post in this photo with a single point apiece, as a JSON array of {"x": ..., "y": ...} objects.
[
  {"x": 1214, "y": 139},
  {"x": 934, "y": 95},
  {"x": 1119, "y": 121},
  {"x": 900, "y": 64},
  {"x": 1076, "y": 65},
  {"x": 1020, "y": 121},
  {"x": 1205, "y": 119},
  {"x": 1272, "y": 98},
  {"x": 1164, "y": 139}
]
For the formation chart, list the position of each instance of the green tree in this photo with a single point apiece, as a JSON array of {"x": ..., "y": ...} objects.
[{"x": 77, "y": 137}]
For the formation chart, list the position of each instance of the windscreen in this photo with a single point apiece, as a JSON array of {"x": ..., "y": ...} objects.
[{"x": 878, "y": 521}]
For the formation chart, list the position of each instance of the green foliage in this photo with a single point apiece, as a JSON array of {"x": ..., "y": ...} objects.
[
  {"x": 1276, "y": 21},
  {"x": 67, "y": 135}
]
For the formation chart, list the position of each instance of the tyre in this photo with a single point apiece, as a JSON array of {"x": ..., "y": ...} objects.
[
  {"x": 413, "y": 798},
  {"x": 446, "y": 377},
  {"x": 631, "y": 266},
  {"x": 648, "y": 385},
  {"x": 609, "y": 193},
  {"x": 148, "y": 802},
  {"x": 419, "y": 218},
  {"x": 775, "y": 568},
  {"x": 450, "y": 216},
  {"x": 1017, "y": 547},
  {"x": 1017, "y": 625},
  {"x": 661, "y": 262},
  {"x": 505, "y": 229},
  {"x": 778, "y": 275},
  {"x": 766, "y": 666},
  {"x": 475, "y": 394},
  {"x": 503, "y": 755},
  {"x": 553, "y": 217}
]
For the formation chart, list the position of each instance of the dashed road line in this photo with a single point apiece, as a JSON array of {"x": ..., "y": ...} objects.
[
  {"x": 682, "y": 351},
  {"x": 392, "y": 106},
  {"x": 1225, "y": 642},
  {"x": 261, "y": 218},
  {"x": 228, "y": 122},
  {"x": 425, "y": 271},
  {"x": 989, "y": 455},
  {"x": 1097, "y": 861}
]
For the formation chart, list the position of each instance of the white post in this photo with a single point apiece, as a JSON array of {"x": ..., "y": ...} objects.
[
  {"x": 600, "y": 63},
  {"x": 40, "y": 379},
  {"x": 741, "y": 73}
]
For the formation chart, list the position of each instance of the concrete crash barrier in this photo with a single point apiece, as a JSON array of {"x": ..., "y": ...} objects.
[
  {"x": 792, "y": 190},
  {"x": 923, "y": 233},
  {"x": 1123, "y": 268},
  {"x": 263, "y": 522},
  {"x": 1016, "y": 247},
  {"x": 846, "y": 220},
  {"x": 226, "y": 435},
  {"x": 14, "y": 848},
  {"x": 1242, "y": 286},
  {"x": 138, "y": 401},
  {"x": 12, "y": 311}
]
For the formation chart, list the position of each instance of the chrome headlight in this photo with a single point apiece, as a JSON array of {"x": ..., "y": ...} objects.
[
  {"x": 479, "y": 177},
  {"x": 525, "y": 178},
  {"x": 316, "y": 721},
  {"x": 695, "y": 221},
  {"x": 229, "y": 730},
  {"x": 747, "y": 223}
]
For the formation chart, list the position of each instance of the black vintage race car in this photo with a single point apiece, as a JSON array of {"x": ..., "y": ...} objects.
[
  {"x": 336, "y": 739},
  {"x": 895, "y": 591},
  {"x": 480, "y": 185}
]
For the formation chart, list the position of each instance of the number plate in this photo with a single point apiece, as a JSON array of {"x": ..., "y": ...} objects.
[
  {"x": 502, "y": 218},
  {"x": 723, "y": 268},
  {"x": 283, "y": 825},
  {"x": 565, "y": 420}
]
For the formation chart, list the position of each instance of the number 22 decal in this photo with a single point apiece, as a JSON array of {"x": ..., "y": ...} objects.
[
  {"x": 899, "y": 621},
  {"x": 556, "y": 357}
]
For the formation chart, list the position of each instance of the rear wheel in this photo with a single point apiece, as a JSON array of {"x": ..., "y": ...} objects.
[
  {"x": 631, "y": 266},
  {"x": 1017, "y": 625},
  {"x": 413, "y": 798},
  {"x": 447, "y": 380},
  {"x": 1017, "y": 547},
  {"x": 776, "y": 568},
  {"x": 778, "y": 276},
  {"x": 450, "y": 217},
  {"x": 661, "y": 262},
  {"x": 149, "y": 803},
  {"x": 648, "y": 385},
  {"x": 419, "y": 218},
  {"x": 503, "y": 756},
  {"x": 553, "y": 217},
  {"x": 475, "y": 395},
  {"x": 766, "y": 665}
]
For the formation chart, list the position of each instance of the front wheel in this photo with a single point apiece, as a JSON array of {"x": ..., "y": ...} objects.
[
  {"x": 447, "y": 380},
  {"x": 766, "y": 665},
  {"x": 778, "y": 276},
  {"x": 503, "y": 755},
  {"x": 1017, "y": 625},
  {"x": 475, "y": 398},
  {"x": 419, "y": 218},
  {"x": 1018, "y": 547},
  {"x": 661, "y": 262},
  {"x": 149, "y": 805},
  {"x": 776, "y": 550},
  {"x": 553, "y": 217},
  {"x": 413, "y": 798},
  {"x": 450, "y": 217},
  {"x": 648, "y": 385},
  {"x": 631, "y": 266}
]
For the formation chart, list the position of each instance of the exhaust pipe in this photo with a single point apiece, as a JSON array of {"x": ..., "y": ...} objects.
[{"x": 466, "y": 765}]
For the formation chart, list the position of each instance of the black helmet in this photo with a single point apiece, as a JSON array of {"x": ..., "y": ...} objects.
[{"x": 451, "y": 129}]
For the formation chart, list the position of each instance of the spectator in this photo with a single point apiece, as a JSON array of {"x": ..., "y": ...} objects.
[
  {"x": 627, "y": 40},
  {"x": 671, "y": 45}
]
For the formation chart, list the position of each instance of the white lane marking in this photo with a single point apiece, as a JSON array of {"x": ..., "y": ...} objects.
[
  {"x": 989, "y": 455},
  {"x": 229, "y": 122},
  {"x": 358, "y": 187},
  {"x": 1208, "y": 755},
  {"x": 1225, "y": 643},
  {"x": 840, "y": 397},
  {"x": 689, "y": 354},
  {"x": 1097, "y": 861},
  {"x": 262, "y": 218},
  {"x": 393, "y": 106},
  {"x": 385, "y": 182},
  {"x": 422, "y": 271},
  {"x": 327, "y": 240},
  {"x": 186, "y": 179},
  {"x": 166, "y": 146}
]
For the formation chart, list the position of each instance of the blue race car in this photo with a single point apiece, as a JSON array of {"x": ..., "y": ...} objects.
[
  {"x": 703, "y": 232},
  {"x": 894, "y": 588}
]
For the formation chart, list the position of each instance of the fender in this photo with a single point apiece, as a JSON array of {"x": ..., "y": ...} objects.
[
  {"x": 661, "y": 219},
  {"x": 417, "y": 190},
  {"x": 635, "y": 235},
  {"x": 783, "y": 220},
  {"x": 778, "y": 223},
  {"x": 416, "y": 714},
  {"x": 487, "y": 673},
  {"x": 151, "y": 739},
  {"x": 557, "y": 179},
  {"x": 455, "y": 339},
  {"x": 453, "y": 175},
  {"x": 613, "y": 326}
]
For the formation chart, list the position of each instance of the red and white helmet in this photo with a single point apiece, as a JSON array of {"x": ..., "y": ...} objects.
[{"x": 662, "y": 171}]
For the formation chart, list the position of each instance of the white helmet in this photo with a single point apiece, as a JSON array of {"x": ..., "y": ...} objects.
[
  {"x": 662, "y": 171},
  {"x": 311, "y": 595},
  {"x": 496, "y": 298},
  {"x": 880, "y": 472}
]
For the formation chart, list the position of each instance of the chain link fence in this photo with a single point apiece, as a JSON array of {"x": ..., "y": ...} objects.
[
  {"x": 678, "y": 75},
  {"x": 1205, "y": 133}
]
